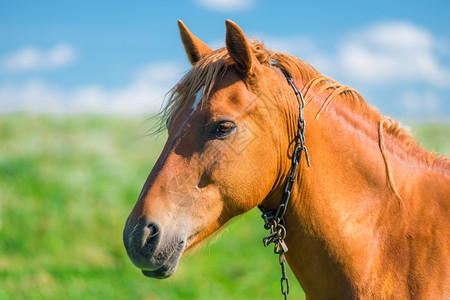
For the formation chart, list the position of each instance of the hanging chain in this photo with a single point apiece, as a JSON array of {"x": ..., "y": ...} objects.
[{"x": 274, "y": 219}]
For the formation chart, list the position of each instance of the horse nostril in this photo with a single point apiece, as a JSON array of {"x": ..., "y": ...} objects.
[
  {"x": 150, "y": 238},
  {"x": 142, "y": 241}
]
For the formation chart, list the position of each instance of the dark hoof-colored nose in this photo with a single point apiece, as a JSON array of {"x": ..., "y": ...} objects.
[{"x": 142, "y": 241}]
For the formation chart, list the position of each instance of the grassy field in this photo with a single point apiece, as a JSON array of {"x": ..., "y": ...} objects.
[{"x": 67, "y": 185}]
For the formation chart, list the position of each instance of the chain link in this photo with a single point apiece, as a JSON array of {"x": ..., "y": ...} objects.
[
  {"x": 274, "y": 219},
  {"x": 284, "y": 279}
]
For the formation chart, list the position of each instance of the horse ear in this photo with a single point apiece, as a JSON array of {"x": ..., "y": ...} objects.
[
  {"x": 240, "y": 51},
  {"x": 195, "y": 48}
]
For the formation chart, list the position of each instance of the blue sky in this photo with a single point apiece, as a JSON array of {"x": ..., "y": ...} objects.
[{"x": 122, "y": 57}]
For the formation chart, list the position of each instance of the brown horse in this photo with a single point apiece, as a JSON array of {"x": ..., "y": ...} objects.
[{"x": 369, "y": 219}]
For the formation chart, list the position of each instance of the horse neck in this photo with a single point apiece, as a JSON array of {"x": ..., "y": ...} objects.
[{"x": 344, "y": 204}]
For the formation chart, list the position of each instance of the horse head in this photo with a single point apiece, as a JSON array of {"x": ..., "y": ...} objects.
[{"x": 225, "y": 151}]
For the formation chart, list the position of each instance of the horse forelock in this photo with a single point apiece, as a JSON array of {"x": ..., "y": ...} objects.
[{"x": 213, "y": 66}]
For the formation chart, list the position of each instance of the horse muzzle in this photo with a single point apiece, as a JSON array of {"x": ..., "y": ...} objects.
[{"x": 156, "y": 256}]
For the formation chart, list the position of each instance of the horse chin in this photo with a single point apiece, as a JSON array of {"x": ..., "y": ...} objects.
[{"x": 169, "y": 266}]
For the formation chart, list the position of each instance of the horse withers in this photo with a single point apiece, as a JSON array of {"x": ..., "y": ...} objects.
[{"x": 369, "y": 219}]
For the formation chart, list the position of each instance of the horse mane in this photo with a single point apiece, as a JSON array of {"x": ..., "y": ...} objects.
[
  {"x": 213, "y": 66},
  {"x": 386, "y": 126}
]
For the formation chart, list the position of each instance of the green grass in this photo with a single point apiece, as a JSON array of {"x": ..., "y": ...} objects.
[
  {"x": 67, "y": 185},
  {"x": 434, "y": 137}
]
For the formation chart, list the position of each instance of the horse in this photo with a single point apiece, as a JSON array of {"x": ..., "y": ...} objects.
[{"x": 369, "y": 219}]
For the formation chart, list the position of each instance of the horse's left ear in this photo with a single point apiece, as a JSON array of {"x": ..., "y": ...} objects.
[
  {"x": 195, "y": 48},
  {"x": 240, "y": 51}
]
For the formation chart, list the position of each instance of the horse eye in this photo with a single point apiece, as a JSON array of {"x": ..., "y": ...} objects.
[{"x": 223, "y": 129}]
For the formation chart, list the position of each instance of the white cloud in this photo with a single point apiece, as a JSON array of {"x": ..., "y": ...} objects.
[
  {"x": 226, "y": 5},
  {"x": 390, "y": 53},
  {"x": 30, "y": 58},
  {"x": 385, "y": 53},
  {"x": 143, "y": 95}
]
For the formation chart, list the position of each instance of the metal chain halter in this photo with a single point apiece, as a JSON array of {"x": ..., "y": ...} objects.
[{"x": 274, "y": 219}]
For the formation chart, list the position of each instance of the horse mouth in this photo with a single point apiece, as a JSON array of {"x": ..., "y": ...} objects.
[{"x": 169, "y": 266}]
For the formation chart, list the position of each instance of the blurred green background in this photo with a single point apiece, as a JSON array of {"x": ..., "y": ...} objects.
[{"x": 67, "y": 185}]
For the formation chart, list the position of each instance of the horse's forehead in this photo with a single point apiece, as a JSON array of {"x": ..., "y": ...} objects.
[
  {"x": 231, "y": 89},
  {"x": 229, "y": 100}
]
